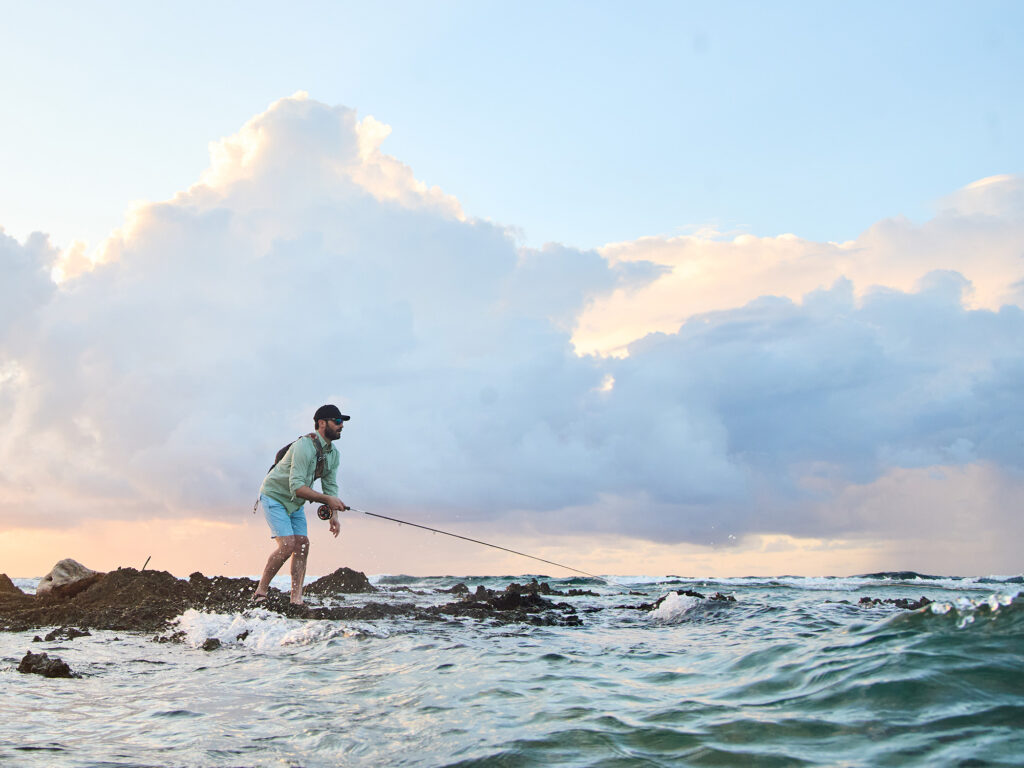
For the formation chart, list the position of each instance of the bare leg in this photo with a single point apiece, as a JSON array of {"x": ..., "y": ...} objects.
[
  {"x": 301, "y": 552},
  {"x": 285, "y": 547}
]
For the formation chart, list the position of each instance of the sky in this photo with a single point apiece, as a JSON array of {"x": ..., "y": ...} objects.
[{"x": 707, "y": 289}]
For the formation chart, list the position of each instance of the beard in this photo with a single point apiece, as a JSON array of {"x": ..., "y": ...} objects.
[{"x": 333, "y": 431}]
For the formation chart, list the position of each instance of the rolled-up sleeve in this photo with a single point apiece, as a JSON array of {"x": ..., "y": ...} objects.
[{"x": 303, "y": 466}]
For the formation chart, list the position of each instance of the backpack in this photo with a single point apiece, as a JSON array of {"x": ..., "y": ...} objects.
[{"x": 321, "y": 460}]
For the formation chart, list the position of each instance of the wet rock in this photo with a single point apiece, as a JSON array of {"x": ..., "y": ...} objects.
[
  {"x": 146, "y": 601},
  {"x": 520, "y": 603},
  {"x": 174, "y": 637},
  {"x": 458, "y": 589},
  {"x": 410, "y": 590},
  {"x": 543, "y": 588},
  {"x": 67, "y": 579},
  {"x": 41, "y": 664},
  {"x": 720, "y": 598},
  {"x": 343, "y": 580},
  {"x": 241, "y": 636},
  {"x": 221, "y": 593},
  {"x": 211, "y": 644},
  {"x": 37, "y": 639},
  {"x": 67, "y": 633},
  {"x": 7, "y": 586},
  {"x": 900, "y": 602},
  {"x": 517, "y": 597},
  {"x": 482, "y": 594}
]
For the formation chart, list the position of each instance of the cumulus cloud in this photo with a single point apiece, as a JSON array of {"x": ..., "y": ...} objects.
[
  {"x": 978, "y": 232},
  {"x": 756, "y": 379}
]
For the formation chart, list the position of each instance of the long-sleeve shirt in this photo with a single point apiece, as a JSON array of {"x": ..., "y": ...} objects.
[{"x": 296, "y": 469}]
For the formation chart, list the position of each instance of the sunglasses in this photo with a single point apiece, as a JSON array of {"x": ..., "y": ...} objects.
[{"x": 339, "y": 422}]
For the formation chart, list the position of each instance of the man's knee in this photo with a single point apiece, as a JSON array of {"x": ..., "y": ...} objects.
[
  {"x": 301, "y": 545},
  {"x": 288, "y": 544}
]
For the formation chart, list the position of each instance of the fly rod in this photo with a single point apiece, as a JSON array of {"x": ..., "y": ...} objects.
[{"x": 475, "y": 541}]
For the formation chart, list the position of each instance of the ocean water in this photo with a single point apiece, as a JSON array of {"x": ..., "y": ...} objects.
[{"x": 788, "y": 675}]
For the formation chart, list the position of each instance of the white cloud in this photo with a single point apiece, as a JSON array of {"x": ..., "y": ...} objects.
[
  {"x": 306, "y": 266},
  {"x": 979, "y": 233}
]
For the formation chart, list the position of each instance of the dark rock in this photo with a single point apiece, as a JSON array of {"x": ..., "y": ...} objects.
[
  {"x": 343, "y": 580},
  {"x": 899, "y": 576},
  {"x": 67, "y": 633},
  {"x": 900, "y": 602},
  {"x": 482, "y": 593},
  {"x": 516, "y": 597},
  {"x": 211, "y": 644},
  {"x": 175, "y": 637},
  {"x": 458, "y": 589},
  {"x": 7, "y": 586},
  {"x": 220, "y": 593},
  {"x": 41, "y": 664},
  {"x": 241, "y": 636},
  {"x": 37, "y": 639},
  {"x": 127, "y": 599},
  {"x": 719, "y": 597}
]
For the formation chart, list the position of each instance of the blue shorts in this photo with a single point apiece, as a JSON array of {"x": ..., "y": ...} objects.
[{"x": 281, "y": 523}]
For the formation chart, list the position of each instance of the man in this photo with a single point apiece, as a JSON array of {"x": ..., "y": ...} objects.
[{"x": 288, "y": 486}]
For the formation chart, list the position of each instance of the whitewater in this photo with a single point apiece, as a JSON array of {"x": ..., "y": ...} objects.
[{"x": 795, "y": 672}]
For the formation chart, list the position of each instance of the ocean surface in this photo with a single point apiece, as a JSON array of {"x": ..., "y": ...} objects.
[{"x": 794, "y": 673}]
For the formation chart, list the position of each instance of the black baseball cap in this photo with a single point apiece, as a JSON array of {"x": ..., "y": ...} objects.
[{"x": 329, "y": 412}]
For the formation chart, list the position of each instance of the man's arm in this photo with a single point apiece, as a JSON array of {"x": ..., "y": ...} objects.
[
  {"x": 303, "y": 468},
  {"x": 307, "y": 493}
]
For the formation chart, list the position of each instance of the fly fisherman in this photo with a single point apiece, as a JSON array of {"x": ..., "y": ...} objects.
[{"x": 289, "y": 485}]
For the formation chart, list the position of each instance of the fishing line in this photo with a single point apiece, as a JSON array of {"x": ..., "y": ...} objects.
[{"x": 477, "y": 541}]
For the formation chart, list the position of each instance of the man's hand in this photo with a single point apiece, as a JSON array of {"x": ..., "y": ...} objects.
[{"x": 336, "y": 504}]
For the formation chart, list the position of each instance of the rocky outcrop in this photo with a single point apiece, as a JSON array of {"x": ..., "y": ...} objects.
[
  {"x": 343, "y": 580},
  {"x": 518, "y": 603},
  {"x": 7, "y": 586},
  {"x": 41, "y": 664},
  {"x": 68, "y": 578},
  {"x": 145, "y": 601}
]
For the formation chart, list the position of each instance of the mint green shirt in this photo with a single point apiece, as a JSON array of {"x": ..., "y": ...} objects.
[{"x": 296, "y": 469}]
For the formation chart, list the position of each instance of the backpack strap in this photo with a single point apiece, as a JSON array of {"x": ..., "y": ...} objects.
[{"x": 321, "y": 460}]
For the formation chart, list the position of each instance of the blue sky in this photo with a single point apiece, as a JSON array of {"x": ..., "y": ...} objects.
[
  {"x": 581, "y": 123},
  {"x": 657, "y": 288}
]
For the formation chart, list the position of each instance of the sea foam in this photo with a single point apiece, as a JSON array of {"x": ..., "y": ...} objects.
[
  {"x": 673, "y": 608},
  {"x": 260, "y": 629}
]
